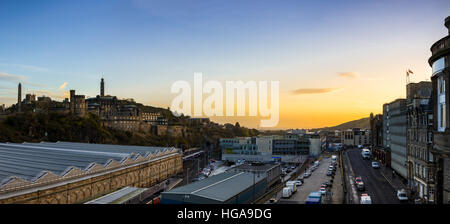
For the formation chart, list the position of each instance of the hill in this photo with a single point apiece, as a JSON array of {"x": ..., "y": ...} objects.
[
  {"x": 363, "y": 123},
  {"x": 52, "y": 127}
]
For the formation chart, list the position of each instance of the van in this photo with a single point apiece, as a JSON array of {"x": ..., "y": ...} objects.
[
  {"x": 365, "y": 153},
  {"x": 292, "y": 185},
  {"x": 365, "y": 199},
  {"x": 287, "y": 192}
]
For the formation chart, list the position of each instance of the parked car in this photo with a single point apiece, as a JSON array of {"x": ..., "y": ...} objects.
[
  {"x": 300, "y": 178},
  {"x": 375, "y": 165},
  {"x": 273, "y": 201},
  {"x": 323, "y": 190},
  {"x": 329, "y": 173},
  {"x": 360, "y": 186},
  {"x": 298, "y": 183},
  {"x": 401, "y": 195},
  {"x": 326, "y": 183},
  {"x": 358, "y": 180},
  {"x": 307, "y": 174}
]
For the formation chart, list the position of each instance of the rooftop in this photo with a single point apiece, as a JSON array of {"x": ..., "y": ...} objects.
[
  {"x": 250, "y": 167},
  {"x": 118, "y": 197},
  {"x": 32, "y": 161},
  {"x": 220, "y": 187}
]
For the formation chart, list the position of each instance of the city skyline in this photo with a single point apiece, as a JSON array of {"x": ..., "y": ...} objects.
[{"x": 142, "y": 47}]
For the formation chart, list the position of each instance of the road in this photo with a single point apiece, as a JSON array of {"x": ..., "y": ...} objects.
[
  {"x": 310, "y": 184},
  {"x": 378, "y": 188}
]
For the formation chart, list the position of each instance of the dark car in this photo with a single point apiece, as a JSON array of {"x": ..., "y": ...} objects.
[
  {"x": 360, "y": 186},
  {"x": 329, "y": 173}
]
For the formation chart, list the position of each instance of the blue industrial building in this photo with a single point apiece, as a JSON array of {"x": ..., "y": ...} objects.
[{"x": 232, "y": 187}]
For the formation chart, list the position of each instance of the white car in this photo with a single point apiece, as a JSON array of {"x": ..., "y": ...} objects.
[
  {"x": 401, "y": 195},
  {"x": 375, "y": 164},
  {"x": 322, "y": 190},
  {"x": 298, "y": 183}
]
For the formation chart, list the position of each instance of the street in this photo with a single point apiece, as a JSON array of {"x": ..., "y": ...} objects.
[
  {"x": 312, "y": 183},
  {"x": 376, "y": 185}
]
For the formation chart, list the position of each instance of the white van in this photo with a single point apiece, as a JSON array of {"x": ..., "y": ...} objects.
[
  {"x": 287, "y": 192},
  {"x": 365, "y": 153},
  {"x": 365, "y": 199},
  {"x": 292, "y": 185}
]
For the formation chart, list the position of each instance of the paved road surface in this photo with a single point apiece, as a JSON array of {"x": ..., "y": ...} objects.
[
  {"x": 310, "y": 184},
  {"x": 378, "y": 188}
]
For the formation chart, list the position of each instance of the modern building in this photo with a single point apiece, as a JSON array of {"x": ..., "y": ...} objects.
[
  {"x": 69, "y": 173},
  {"x": 394, "y": 135},
  {"x": 231, "y": 187},
  {"x": 315, "y": 145},
  {"x": 440, "y": 78},
  {"x": 289, "y": 148},
  {"x": 419, "y": 140}
]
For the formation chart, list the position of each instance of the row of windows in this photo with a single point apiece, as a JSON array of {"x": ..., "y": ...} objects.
[{"x": 420, "y": 153}]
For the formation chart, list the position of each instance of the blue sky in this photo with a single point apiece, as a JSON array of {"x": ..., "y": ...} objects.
[{"x": 142, "y": 47}]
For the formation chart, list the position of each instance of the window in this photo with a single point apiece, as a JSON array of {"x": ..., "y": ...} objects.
[
  {"x": 441, "y": 102},
  {"x": 438, "y": 65}
]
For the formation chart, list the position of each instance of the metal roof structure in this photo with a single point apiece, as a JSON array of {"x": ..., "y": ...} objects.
[
  {"x": 119, "y": 197},
  {"x": 220, "y": 187},
  {"x": 30, "y": 162}
]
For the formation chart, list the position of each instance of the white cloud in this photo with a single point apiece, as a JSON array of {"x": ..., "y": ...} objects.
[{"x": 63, "y": 86}]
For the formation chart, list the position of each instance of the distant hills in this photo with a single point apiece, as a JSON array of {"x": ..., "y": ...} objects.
[{"x": 363, "y": 123}]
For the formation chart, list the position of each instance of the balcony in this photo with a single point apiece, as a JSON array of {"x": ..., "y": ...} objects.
[{"x": 440, "y": 49}]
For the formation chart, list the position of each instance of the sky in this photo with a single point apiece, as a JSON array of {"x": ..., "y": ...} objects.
[{"x": 335, "y": 61}]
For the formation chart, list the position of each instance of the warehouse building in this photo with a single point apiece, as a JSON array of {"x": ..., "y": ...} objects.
[
  {"x": 271, "y": 171},
  {"x": 232, "y": 187},
  {"x": 67, "y": 173}
]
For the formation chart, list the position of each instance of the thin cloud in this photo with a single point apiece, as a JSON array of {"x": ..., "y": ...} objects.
[
  {"x": 26, "y": 67},
  {"x": 9, "y": 77},
  {"x": 352, "y": 75},
  {"x": 63, "y": 86},
  {"x": 17, "y": 78},
  {"x": 313, "y": 91}
]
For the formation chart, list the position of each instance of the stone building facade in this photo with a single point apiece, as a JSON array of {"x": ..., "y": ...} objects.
[
  {"x": 419, "y": 141},
  {"x": 440, "y": 78},
  {"x": 79, "y": 187}
]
